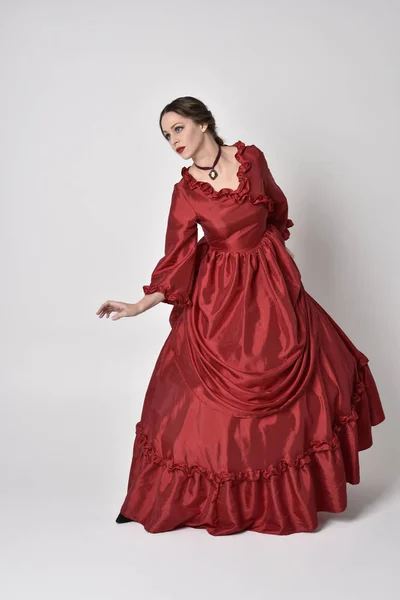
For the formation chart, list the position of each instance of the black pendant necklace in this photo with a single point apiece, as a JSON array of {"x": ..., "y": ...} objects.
[{"x": 213, "y": 173}]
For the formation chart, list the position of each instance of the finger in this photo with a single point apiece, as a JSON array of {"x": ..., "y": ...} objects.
[{"x": 106, "y": 304}]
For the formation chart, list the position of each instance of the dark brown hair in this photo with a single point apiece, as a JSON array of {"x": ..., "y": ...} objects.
[{"x": 195, "y": 109}]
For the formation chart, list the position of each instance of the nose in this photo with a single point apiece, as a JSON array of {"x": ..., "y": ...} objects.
[{"x": 174, "y": 140}]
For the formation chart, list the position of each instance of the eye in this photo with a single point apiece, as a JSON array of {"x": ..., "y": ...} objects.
[{"x": 177, "y": 127}]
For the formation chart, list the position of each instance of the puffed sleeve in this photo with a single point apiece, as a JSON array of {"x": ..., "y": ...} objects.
[
  {"x": 279, "y": 215},
  {"x": 174, "y": 273}
]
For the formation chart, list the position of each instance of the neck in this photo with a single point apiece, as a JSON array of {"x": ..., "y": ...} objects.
[{"x": 206, "y": 153}]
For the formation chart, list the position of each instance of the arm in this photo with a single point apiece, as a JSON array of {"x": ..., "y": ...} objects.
[
  {"x": 173, "y": 276},
  {"x": 150, "y": 300},
  {"x": 279, "y": 216}
]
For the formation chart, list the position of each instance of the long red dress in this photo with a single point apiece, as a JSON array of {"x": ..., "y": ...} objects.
[{"x": 259, "y": 403}]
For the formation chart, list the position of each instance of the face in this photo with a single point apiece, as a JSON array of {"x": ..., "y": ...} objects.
[{"x": 182, "y": 132}]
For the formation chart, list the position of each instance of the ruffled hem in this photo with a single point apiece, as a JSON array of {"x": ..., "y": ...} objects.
[
  {"x": 282, "y": 466},
  {"x": 314, "y": 480},
  {"x": 171, "y": 297}
]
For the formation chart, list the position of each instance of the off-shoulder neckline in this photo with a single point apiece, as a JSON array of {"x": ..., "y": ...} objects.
[{"x": 209, "y": 190}]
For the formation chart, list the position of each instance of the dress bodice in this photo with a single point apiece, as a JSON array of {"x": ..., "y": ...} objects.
[{"x": 235, "y": 220}]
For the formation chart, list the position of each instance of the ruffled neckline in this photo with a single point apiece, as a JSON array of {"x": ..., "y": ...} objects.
[{"x": 207, "y": 188}]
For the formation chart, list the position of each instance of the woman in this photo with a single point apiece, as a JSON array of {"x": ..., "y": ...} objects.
[{"x": 259, "y": 403}]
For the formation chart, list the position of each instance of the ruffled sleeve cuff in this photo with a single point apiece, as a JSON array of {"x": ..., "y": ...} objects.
[
  {"x": 171, "y": 297},
  {"x": 286, "y": 232}
]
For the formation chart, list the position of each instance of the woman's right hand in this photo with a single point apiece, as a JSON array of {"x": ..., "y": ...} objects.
[{"x": 122, "y": 309}]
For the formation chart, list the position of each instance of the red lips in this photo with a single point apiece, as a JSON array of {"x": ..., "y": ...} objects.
[{"x": 180, "y": 149}]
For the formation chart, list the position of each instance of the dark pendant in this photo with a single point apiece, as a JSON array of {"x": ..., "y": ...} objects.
[{"x": 213, "y": 174}]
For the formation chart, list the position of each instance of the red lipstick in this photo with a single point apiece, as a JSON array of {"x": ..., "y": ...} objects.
[{"x": 180, "y": 149}]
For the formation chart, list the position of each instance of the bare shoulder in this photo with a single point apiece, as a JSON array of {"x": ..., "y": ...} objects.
[{"x": 230, "y": 150}]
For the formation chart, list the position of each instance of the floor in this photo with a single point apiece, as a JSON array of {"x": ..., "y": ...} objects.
[{"x": 66, "y": 479}]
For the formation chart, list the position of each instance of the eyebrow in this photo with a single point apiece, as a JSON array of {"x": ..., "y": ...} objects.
[{"x": 172, "y": 127}]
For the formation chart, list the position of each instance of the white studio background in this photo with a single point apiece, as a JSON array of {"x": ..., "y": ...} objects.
[{"x": 86, "y": 181}]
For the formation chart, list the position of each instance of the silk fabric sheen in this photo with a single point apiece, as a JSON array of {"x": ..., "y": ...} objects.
[{"x": 259, "y": 403}]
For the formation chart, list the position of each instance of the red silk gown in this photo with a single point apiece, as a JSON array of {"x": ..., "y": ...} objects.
[{"x": 259, "y": 403}]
